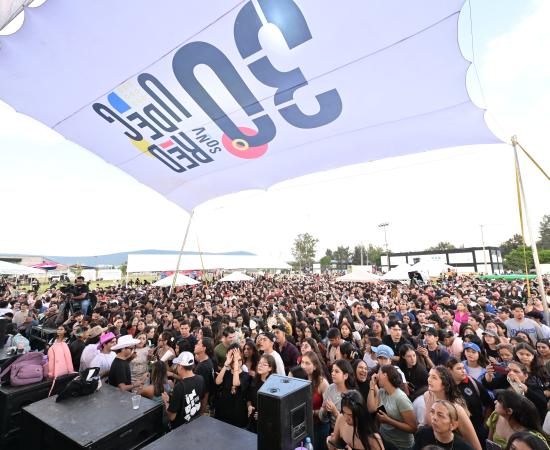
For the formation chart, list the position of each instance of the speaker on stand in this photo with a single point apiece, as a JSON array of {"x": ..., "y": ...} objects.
[{"x": 285, "y": 414}]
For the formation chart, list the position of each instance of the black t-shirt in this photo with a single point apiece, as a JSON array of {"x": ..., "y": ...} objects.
[
  {"x": 395, "y": 346},
  {"x": 475, "y": 401},
  {"x": 120, "y": 372},
  {"x": 185, "y": 400},
  {"x": 439, "y": 356},
  {"x": 425, "y": 436},
  {"x": 206, "y": 370},
  {"x": 80, "y": 289},
  {"x": 76, "y": 348}
]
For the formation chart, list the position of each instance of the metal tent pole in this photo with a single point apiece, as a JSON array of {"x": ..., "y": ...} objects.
[
  {"x": 181, "y": 252},
  {"x": 531, "y": 236}
]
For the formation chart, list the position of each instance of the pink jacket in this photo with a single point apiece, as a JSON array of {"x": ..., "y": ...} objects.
[{"x": 59, "y": 360}]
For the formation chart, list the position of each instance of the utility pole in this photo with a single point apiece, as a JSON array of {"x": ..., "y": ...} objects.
[
  {"x": 484, "y": 254},
  {"x": 384, "y": 226}
]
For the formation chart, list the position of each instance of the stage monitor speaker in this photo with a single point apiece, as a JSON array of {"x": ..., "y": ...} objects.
[{"x": 285, "y": 414}]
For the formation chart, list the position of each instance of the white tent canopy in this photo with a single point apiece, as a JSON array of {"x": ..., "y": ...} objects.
[
  {"x": 7, "y": 268},
  {"x": 432, "y": 267},
  {"x": 235, "y": 95},
  {"x": 399, "y": 273},
  {"x": 167, "y": 263},
  {"x": 359, "y": 277},
  {"x": 181, "y": 280},
  {"x": 236, "y": 276}
]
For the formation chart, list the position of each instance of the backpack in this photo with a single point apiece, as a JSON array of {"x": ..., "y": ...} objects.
[{"x": 27, "y": 369}]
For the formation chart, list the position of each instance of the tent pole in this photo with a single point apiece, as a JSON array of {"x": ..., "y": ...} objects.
[
  {"x": 181, "y": 252},
  {"x": 531, "y": 236}
]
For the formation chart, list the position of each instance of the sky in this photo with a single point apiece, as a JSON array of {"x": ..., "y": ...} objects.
[{"x": 60, "y": 199}]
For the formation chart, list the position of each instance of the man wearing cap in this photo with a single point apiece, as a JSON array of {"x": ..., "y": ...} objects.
[
  {"x": 184, "y": 403},
  {"x": 384, "y": 356},
  {"x": 119, "y": 374},
  {"x": 435, "y": 353},
  {"x": 265, "y": 342}
]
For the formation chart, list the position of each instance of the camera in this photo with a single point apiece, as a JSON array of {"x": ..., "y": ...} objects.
[{"x": 67, "y": 288}]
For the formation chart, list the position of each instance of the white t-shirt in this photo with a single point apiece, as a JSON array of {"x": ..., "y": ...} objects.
[
  {"x": 88, "y": 354},
  {"x": 103, "y": 361},
  {"x": 278, "y": 362}
]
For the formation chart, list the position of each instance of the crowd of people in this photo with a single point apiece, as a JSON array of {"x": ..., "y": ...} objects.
[{"x": 459, "y": 363}]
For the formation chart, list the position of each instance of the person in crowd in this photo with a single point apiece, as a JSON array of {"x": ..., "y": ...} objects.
[
  {"x": 106, "y": 355},
  {"x": 205, "y": 367},
  {"x": 120, "y": 375},
  {"x": 361, "y": 372},
  {"x": 220, "y": 351},
  {"x": 159, "y": 384},
  {"x": 513, "y": 413},
  {"x": 288, "y": 351},
  {"x": 265, "y": 343},
  {"x": 477, "y": 398},
  {"x": 490, "y": 342},
  {"x": 138, "y": 363},
  {"x": 354, "y": 427},
  {"x": 395, "y": 339},
  {"x": 233, "y": 384},
  {"x": 369, "y": 356},
  {"x": 183, "y": 404},
  {"x": 444, "y": 421},
  {"x": 543, "y": 350},
  {"x": 343, "y": 379},
  {"x": 393, "y": 408},
  {"x": 166, "y": 344},
  {"x": 266, "y": 367},
  {"x": 529, "y": 357},
  {"x": 520, "y": 323},
  {"x": 59, "y": 356},
  {"x": 475, "y": 362},
  {"x": 441, "y": 386},
  {"x": 334, "y": 339},
  {"x": 312, "y": 365},
  {"x": 91, "y": 349},
  {"x": 77, "y": 346},
  {"x": 251, "y": 356},
  {"x": 525, "y": 440},
  {"x": 433, "y": 353},
  {"x": 414, "y": 368}
]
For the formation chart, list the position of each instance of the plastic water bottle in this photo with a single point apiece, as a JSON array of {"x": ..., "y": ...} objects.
[{"x": 308, "y": 444}]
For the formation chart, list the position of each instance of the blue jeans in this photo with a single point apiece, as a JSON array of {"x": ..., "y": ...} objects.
[{"x": 84, "y": 306}]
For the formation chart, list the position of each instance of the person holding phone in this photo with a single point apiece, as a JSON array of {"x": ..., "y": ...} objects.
[{"x": 393, "y": 407}]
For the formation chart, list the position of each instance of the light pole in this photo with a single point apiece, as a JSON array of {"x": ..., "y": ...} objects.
[
  {"x": 384, "y": 225},
  {"x": 484, "y": 254}
]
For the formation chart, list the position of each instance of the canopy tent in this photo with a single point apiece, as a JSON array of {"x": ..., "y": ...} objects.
[
  {"x": 359, "y": 277},
  {"x": 181, "y": 280},
  {"x": 9, "y": 9},
  {"x": 46, "y": 265},
  {"x": 236, "y": 276},
  {"x": 399, "y": 273},
  {"x": 432, "y": 267},
  {"x": 7, "y": 268},
  {"x": 508, "y": 276},
  {"x": 207, "y": 109},
  {"x": 162, "y": 263}
]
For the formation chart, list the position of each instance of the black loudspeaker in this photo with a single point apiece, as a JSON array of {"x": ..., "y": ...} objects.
[{"x": 285, "y": 413}]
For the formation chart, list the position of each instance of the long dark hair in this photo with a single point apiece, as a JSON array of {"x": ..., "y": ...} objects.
[
  {"x": 272, "y": 366},
  {"x": 317, "y": 374},
  {"x": 254, "y": 354},
  {"x": 532, "y": 441},
  {"x": 159, "y": 377},
  {"x": 452, "y": 394},
  {"x": 524, "y": 411},
  {"x": 536, "y": 368},
  {"x": 363, "y": 425},
  {"x": 346, "y": 368}
]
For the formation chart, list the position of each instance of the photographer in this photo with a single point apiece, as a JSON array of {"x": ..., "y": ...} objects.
[{"x": 81, "y": 294}]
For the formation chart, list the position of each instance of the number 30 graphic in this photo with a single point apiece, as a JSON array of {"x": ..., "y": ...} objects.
[{"x": 286, "y": 15}]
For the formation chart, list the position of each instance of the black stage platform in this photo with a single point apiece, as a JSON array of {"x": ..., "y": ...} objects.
[
  {"x": 206, "y": 433},
  {"x": 103, "y": 420}
]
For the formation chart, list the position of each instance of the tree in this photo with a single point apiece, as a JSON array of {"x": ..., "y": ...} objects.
[
  {"x": 441, "y": 246},
  {"x": 304, "y": 251},
  {"x": 325, "y": 262},
  {"x": 544, "y": 230},
  {"x": 515, "y": 260},
  {"x": 123, "y": 268},
  {"x": 516, "y": 241},
  {"x": 357, "y": 251},
  {"x": 342, "y": 255},
  {"x": 375, "y": 255}
]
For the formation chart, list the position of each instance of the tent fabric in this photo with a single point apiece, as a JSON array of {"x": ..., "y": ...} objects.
[
  {"x": 359, "y": 277},
  {"x": 7, "y": 268},
  {"x": 181, "y": 280},
  {"x": 431, "y": 267},
  {"x": 399, "y": 273},
  {"x": 162, "y": 263},
  {"x": 9, "y": 9},
  {"x": 236, "y": 276},
  {"x": 243, "y": 94}
]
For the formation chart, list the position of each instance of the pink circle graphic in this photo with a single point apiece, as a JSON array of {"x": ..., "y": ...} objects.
[{"x": 240, "y": 148}]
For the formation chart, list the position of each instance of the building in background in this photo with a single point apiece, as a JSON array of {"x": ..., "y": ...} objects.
[{"x": 465, "y": 260}]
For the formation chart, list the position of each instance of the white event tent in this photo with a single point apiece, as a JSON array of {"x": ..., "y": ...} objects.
[
  {"x": 359, "y": 277},
  {"x": 432, "y": 268},
  {"x": 166, "y": 263},
  {"x": 236, "y": 276},
  {"x": 7, "y": 268},
  {"x": 181, "y": 280},
  {"x": 399, "y": 273}
]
